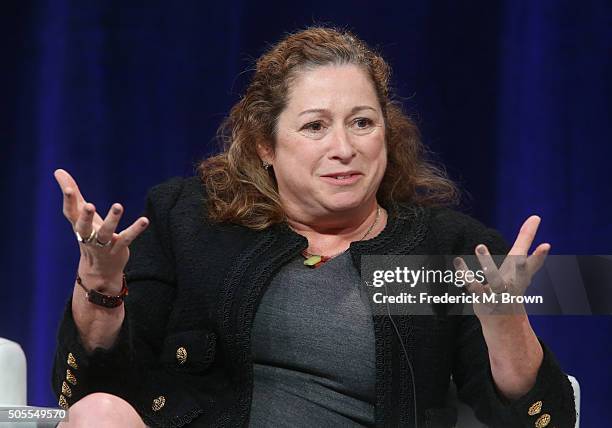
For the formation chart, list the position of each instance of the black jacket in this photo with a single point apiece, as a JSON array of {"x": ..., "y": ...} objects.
[{"x": 183, "y": 353}]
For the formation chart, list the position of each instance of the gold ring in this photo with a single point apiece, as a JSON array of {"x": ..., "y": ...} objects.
[{"x": 87, "y": 240}]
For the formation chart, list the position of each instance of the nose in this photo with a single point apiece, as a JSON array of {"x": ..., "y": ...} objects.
[{"x": 341, "y": 147}]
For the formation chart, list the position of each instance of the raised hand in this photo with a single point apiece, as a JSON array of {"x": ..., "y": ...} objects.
[
  {"x": 104, "y": 253},
  {"x": 512, "y": 277}
]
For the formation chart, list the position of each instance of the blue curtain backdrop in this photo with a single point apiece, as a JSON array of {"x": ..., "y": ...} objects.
[{"x": 514, "y": 97}]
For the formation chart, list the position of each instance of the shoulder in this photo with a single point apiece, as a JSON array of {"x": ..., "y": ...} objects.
[
  {"x": 451, "y": 221},
  {"x": 180, "y": 230},
  {"x": 170, "y": 192},
  {"x": 461, "y": 233},
  {"x": 180, "y": 198},
  {"x": 178, "y": 207}
]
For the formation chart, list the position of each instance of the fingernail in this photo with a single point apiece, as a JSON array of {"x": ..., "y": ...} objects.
[
  {"x": 116, "y": 210},
  {"x": 481, "y": 249}
]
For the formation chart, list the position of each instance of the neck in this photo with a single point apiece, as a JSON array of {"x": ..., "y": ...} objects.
[{"x": 332, "y": 234}]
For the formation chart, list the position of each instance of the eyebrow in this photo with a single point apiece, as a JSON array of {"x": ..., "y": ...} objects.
[{"x": 322, "y": 110}]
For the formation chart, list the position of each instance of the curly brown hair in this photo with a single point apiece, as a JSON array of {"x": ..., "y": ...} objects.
[{"x": 241, "y": 191}]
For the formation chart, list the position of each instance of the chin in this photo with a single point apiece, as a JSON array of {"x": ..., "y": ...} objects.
[{"x": 344, "y": 204}]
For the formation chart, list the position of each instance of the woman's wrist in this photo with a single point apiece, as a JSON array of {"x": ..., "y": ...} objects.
[
  {"x": 515, "y": 354},
  {"x": 98, "y": 326},
  {"x": 106, "y": 300},
  {"x": 103, "y": 283}
]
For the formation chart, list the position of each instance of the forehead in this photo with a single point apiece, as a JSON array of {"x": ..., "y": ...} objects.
[{"x": 331, "y": 87}]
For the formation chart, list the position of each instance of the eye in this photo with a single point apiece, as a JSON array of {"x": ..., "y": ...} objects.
[
  {"x": 363, "y": 122},
  {"x": 313, "y": 127}
]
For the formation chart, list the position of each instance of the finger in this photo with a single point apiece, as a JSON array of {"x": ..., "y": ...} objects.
[
  {"x": 84, "y": 223},
  {"x": 70, "y": 205},
  {"x": 108, "y": 227},
  {"x": 473, "y": 286},
  {"x": 127, "y": 236},
  {"x": 536, "y": 260},
  {"x": 521, "y": 272},
  {"x": 526, "y": 236},
  {"x": 494, "y": 278},
  {"x": 66, "y": 181},
  {"x": 73, "y": 200}
]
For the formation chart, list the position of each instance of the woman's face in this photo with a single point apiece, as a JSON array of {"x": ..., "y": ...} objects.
[{"x": 330, "y": 153}]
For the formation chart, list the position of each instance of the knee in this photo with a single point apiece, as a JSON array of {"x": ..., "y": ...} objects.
[{"x": 102, "y": 410}]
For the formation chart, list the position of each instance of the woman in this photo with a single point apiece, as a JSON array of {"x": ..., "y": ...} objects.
[{"x": 243, "y": 305}]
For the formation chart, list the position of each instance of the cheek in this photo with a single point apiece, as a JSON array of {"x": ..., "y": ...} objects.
[
  {"x": 296, "y": 153},
  {"x": 296, "y": 159},
  {"x": 377, "y": 151}
]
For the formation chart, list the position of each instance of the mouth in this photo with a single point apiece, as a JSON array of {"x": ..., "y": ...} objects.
[{"x": 347, "y": 177}]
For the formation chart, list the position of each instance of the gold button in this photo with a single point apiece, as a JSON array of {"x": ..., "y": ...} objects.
[
  {"x": 62, "y": 402},
  {"x": 542, "y": 421},
  {"x": 158, "y": 403},
  {"x": 71, "y": 361},
  {"x": 66, "y": 390},
  {"x": 181, "y": 355},
  {"x": 535, "y": 408},
  {"x": 70, "y": 377}
]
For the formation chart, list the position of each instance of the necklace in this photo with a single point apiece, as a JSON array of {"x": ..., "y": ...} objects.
[{"x": 316, "y": 260}]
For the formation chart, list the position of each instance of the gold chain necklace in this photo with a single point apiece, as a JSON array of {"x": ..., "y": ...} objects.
[{"x": 316, "y": 260}]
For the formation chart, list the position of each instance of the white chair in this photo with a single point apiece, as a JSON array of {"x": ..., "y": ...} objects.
[
  {"x": 13, "y": 380},
  {"x": 13, "y": 376},
  {"x": 467, "y": 419}
]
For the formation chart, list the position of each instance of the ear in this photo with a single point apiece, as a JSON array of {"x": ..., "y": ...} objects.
[{"x": 265, "y": 152}]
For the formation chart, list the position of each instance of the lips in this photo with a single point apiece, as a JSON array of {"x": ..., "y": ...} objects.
[
  {"x": 342, "y": 178},
  {"x": 342, "y": 175}
]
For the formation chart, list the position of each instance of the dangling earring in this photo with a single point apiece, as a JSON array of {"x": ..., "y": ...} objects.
[{"x": 266, "y": 165}]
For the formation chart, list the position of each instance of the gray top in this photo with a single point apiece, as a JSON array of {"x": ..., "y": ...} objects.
[{"x": 313, "y": 349}]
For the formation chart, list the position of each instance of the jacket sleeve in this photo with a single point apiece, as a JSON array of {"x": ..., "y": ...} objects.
[
  {"x": 550, "y": 402},
  {"x": 132, "y": 368}
]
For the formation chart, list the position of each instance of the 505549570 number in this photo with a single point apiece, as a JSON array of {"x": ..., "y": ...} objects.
[{"x": 32, "y": 414}]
